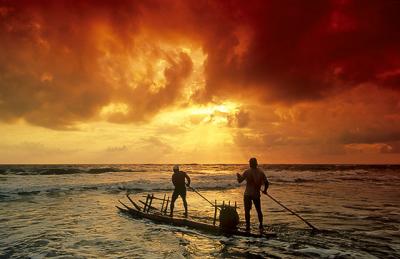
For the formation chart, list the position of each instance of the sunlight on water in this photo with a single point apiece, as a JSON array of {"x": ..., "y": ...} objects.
[{"x": 74, "y": 215}]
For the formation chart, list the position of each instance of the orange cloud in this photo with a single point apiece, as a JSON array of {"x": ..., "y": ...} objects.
[
  {"x": 64, "y": 61},
  {"x": 319, "y": 75}
]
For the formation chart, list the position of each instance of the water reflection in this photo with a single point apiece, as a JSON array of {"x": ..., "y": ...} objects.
[{"x": 85, "y": 223}]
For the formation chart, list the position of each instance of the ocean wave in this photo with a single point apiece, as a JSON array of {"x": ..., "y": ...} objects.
[
  {"x": 150, "y": 182},
  {"x": 29, "y": 180},
  {"x": 362, "y": 207},
  {"x": 62, "y": 171},
  {"x": 322, "y": 252},
  {"x": 133, "y": 186},
  {"x": 359, "y": 170},
  {"x": 274, "y": 180},
  {"x": 330, "y": 167}
]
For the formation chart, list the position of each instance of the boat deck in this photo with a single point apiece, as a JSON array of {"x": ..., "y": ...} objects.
[{"x": 158, "y": 217}]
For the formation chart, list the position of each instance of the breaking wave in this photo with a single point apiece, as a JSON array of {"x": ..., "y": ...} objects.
[
  {"x": 26, "y": 180},
  {"x": 60, "y": 170},
  {"x": 99, "y": 169},
  {"x": 132, "y": 186}
]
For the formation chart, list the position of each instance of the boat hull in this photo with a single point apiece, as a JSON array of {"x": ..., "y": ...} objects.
[{"x": 181, "y": 222}]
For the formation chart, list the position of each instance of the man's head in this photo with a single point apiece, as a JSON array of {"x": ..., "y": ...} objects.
[
  {"x": 176, "y": 168},
  {"x": 253, "y": 162}
]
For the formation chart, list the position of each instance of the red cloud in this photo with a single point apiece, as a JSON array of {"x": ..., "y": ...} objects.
[{"x": 280, "y": 51}]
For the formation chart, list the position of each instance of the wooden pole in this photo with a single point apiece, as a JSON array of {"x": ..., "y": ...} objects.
[
  {"x": 155, "y": 198},
  {"x": 133, "y": 203},
  {"x": 215, "y": 212},
  {"x": 137, "y": 206},
  {"x": 193, "y": 189},
  {"x": 151, "y": 201},
  {"x": 163, "y": 201},
  {"x": 294, "y": 213},
  {"x": 124, "y": 205},
  {"x": 145, "y": 204},
  {"x": 148, "y": 207},
  {"x": 166, "y": 206}
]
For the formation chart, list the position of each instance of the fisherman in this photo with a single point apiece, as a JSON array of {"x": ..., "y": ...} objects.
[
  {"x": 178, "y": 179},
  {"x": 255, "y": 178}
]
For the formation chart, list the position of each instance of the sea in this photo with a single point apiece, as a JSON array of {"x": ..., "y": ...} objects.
[{"x": 69, "y": 211}]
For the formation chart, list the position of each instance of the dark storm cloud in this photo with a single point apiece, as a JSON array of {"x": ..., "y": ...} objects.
[
  {"x": 371, "y": 136},
  {"x": 300, "y": 50},
  {"x": 53, "y": 73}
]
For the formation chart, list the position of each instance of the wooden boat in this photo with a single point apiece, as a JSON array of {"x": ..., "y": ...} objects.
[{"x": 158, "y": 216}]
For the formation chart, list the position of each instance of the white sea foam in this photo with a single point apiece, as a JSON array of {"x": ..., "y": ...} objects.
[{"x": 71, "y": 212}]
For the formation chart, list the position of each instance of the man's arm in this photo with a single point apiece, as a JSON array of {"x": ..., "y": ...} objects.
[
  {"x": 266, "y": 184},
  {"x": 188, "y": 179},
  {"x": 241, "y": 178},
  {"x": 173, "y": 180}
]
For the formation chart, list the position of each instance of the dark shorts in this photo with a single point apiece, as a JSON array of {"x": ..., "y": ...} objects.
[
  {"x": 179, "y": 192},
  {"x": 249, "y": 200}
]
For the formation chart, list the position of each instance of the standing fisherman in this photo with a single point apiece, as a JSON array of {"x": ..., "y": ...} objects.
[
  {"x": 178, "y": 179},
  {"x": 255, "y": 178}
]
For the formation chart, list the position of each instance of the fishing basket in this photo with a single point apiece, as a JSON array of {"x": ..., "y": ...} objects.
[{"x": 228, "y": 218}]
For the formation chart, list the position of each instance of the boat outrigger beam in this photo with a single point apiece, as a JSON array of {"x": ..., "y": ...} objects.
[{"x": 148, "y": 211}]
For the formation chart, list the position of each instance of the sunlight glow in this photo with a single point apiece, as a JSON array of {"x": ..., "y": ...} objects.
[
  {"x": 205, "y": 127},
  {"x": 114, "y": 108},
  {"x": 158, "y": 75}
]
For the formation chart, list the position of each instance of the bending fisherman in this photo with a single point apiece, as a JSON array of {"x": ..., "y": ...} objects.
[
  {"x": 178, "y": 179},
  {"x": 255, "y": 178}
]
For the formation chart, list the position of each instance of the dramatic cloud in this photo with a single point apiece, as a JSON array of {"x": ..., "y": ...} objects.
[
  {"x": 291, "y": 51},
  {"x": 258, "y": 75},
  {"x": 355, "y": 120},
  {"x": 64, "y": 61}
]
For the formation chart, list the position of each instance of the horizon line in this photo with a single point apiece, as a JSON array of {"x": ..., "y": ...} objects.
[{"x": 340, "y": 164}]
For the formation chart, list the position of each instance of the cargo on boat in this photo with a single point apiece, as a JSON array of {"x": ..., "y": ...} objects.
[{"x": 228, "y": 217}]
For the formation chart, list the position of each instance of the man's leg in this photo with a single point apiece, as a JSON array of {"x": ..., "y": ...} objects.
[
  {"x": 173, "y": 199},
  {"x": 183, "y": 195},
  {"x": 247, "y": 208},
  {"x": 257, "y": 204}
]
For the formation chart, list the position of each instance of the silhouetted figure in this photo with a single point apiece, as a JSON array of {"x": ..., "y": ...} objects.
[
  {"x": 178, "y": 179},
  {"x": 255, "y": 178}
]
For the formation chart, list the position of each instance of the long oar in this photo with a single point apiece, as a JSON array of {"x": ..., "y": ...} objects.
[
  {"x": 294, "y": 213},
  {"x": 193, "y": 189}
]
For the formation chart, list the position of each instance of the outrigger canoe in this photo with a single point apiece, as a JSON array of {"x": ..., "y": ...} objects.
[{"x": 183, "y": 222}]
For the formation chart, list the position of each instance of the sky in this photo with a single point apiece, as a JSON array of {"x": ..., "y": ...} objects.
[{"x": 163, "y": 81}]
